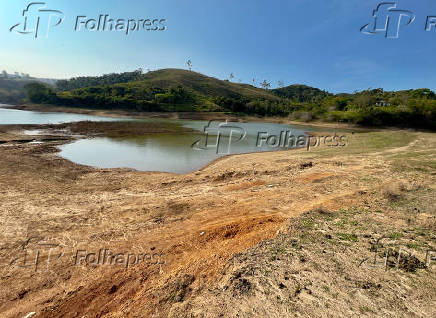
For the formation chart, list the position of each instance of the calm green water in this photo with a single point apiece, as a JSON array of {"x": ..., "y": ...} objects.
[
  {"x": 170, "y": 152},
  {"x": 159, "y": 152}
]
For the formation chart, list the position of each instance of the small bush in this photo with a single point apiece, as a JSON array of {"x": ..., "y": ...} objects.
[{"x": 394, "y": 191}]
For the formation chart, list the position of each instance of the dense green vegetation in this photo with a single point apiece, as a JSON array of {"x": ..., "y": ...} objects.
[
  {"x": 107, "y": 79},
  {"x": 302, "y": 93},
  {"x": 181, "y": 90},
  {"x": 163, "y": 90},
  {"x": 12, "y": 90},
  {"x": 409, "y": 108}
]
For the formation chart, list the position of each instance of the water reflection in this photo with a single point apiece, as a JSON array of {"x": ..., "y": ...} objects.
[{"x": 164, "y": 152}]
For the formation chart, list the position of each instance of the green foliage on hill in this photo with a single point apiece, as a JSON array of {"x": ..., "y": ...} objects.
[
  {"x": 301, "y": 93},
  {"x": 12, "y": 90},
  {"x": 107, "y": 79},
  {"x": 409, "y": 108},
  {"x": 163, "y": 90},
  {"x": 182, "y": 90},
  {"x": 40, "y": 93}
]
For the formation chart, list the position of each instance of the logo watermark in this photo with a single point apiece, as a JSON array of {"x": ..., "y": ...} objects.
[
  {"x": 288, "y": 140},
  {"x": 38, "y": 19},
  {"x": 35, "y": 17},
  {"x": 222, "y": 136},
  {"x": 105, "y": 23},
  {"x": 392, "y": 254},
  {"x": 430, "y": 22},
  {"x": 388, "y": 19},
  {"x": 38, "y": 254},
  {"x": 105, "y": 256}
]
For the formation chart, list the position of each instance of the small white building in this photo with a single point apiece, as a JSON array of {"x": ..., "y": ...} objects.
[{"x": 382, "y": 103}]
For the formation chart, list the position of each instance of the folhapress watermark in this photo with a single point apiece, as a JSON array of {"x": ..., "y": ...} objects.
[
  {"x": 38, "y": 254},
  {"x": 388, "y": 19},
  {"x": 38, "y": 20},
  {"x": 390, "y": 253},
  {"x": 105, "y": 256},
  {"x": 222, "y": 136},
  {"x": 106, "y": 23},
  {"x": 288, "y": 140}
]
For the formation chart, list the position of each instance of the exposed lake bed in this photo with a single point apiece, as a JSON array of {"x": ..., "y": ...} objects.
[
  {"x": 201, "y": 219},
  {"x": 145, "y": 144}
]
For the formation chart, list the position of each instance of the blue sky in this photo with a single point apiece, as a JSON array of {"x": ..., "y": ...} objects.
[{"x": 313, "y": 42}]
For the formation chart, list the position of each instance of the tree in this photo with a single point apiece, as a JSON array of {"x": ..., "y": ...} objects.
[
  {"x": 38, "y": 93},
  {"x": 189, "y": 64},
  {"x": 365, "y": 100},
  {"x": 265, "y": 84},
  {"x": 231, "y": 77},
  {"x": 254, "y": 82},
  {"x": 280, "y": 84},
  {"x": 5, "y": 74}
]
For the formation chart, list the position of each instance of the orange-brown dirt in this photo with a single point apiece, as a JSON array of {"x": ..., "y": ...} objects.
[{"x": 197, "y": 222}]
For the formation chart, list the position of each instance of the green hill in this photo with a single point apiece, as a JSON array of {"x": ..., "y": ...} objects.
[
  {"x": 163, "y": 90},
  {"x": 301, "y": 93},
  {"x": 202, "y": 85},
  {"x": 181, "y": 90},
  {"x": 107, "y": 79},
  {"x": 12, "y": 90},
  {"x": 166, "y": 79}
]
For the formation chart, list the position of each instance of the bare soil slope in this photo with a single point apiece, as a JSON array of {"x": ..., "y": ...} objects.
[{"x": 267, "y": 234}]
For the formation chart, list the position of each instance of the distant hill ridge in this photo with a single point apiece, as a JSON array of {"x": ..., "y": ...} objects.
[
  {"x": 165, "y": 79},
  {"x": 176, "y": 90},
  {"x": 12, "y": 88},
  {"x": 177, "y": 86},
  {"x": 301, "y": 93}
]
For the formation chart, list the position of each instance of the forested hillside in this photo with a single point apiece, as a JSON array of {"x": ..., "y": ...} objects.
[
  {"x": 301, "y": 93},
  {"x": 182, "y": 90},
  {"x": 12, "y": 90}
]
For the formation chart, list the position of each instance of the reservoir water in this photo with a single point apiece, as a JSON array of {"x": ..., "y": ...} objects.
[
  {"x": 21, "y": 117},
  {"x": 175, "y": 153}
]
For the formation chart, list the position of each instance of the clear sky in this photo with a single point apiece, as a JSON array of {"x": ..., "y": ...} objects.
[{"x": 313, "y": 42}]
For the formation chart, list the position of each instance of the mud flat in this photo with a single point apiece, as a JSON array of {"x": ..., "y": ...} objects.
[
  {"x": 119, "y": 128},
  {"x": 264, "y": 235},
  {"x": 218, "y": 116}
]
